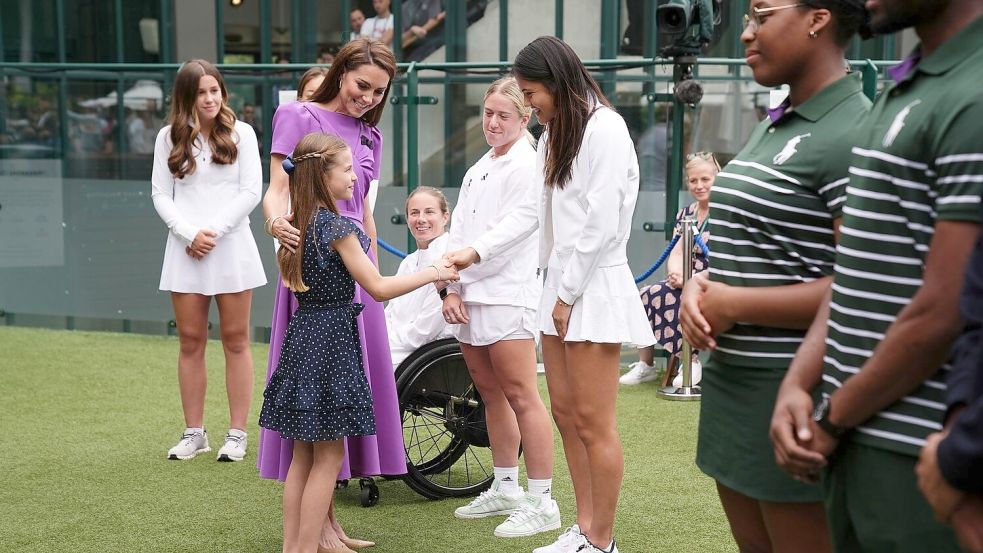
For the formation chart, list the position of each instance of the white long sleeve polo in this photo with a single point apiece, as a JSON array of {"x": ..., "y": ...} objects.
[
  {"x": 587, "y": 223},
  {"x": 492, "y": 188},
  {"x": 216, "y": 197}
]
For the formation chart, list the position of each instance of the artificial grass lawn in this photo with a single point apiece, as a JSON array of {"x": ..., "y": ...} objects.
[{"x": 88, "y": 417}]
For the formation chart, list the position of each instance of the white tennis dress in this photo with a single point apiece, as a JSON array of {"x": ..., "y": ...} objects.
[{"x": 216, "y": 197}]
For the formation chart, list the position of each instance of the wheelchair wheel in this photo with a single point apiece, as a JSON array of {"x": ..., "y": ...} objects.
[{"x": 444, "y": 433}]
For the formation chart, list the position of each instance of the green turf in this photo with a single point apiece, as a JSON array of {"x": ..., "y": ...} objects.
[{"x": 87, "y": 419}]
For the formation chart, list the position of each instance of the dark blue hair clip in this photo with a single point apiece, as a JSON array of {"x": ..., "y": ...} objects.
[{"x": 288, "y": 165}]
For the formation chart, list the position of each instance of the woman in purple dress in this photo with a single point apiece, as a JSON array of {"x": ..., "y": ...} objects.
[{"x": 348, "y": 104}]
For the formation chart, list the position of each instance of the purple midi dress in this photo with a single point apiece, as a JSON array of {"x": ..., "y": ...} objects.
[{"x": 383, "y": 452}]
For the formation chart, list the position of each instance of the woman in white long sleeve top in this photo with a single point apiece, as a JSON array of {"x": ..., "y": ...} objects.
[
  {"x": 206, "y": 179},
  {"x": 415, "y": 319},
  {"x": 589, "y": 305},
  {"x": 493, "y": 308}
]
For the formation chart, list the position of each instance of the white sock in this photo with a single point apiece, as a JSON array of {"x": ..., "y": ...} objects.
[
  {"x": 540, "y": 488},
  {"x": 194, "y": 430},
  {"x": 237, "y": 433},
  {"x": 507, "y": 479}
]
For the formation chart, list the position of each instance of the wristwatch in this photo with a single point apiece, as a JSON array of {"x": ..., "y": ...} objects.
[
  {"x": 442, "y": 293},
  {"x": 821, "y": 417}
]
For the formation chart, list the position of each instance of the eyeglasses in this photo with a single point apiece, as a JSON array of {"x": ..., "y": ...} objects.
[
  {"x": 754, "y": 21},
  {"x": 705, "y": 156}
]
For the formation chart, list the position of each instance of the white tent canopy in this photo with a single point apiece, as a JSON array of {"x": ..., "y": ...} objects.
[{"x": 143, "y": 96}]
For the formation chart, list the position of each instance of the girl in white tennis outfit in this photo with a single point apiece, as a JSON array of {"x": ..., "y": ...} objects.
[
  {"x": 416, "y": 319},
  {"x": 206, "y": 179},
  {"x": 493, "y": 311},
  {"x": 589, "y": 306}
]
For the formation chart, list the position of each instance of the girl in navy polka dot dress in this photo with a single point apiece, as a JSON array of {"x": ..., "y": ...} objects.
[{"x": 319, "y": 393}]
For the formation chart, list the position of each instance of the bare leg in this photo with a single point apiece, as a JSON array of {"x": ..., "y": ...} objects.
[
  {"x": 561, "y": 406},
  {"x": 503, "y": 430},
  {"x": 318, "y": 494},
  {"x": 647, "y": 355},
  {"x": 746, "y": 521},
  {"x": 592, "y": 379},
  {"x": 191, "y": 315},
  {"x": 233, "y": 312},
  {"x": 293, "y": 492},
  {"x": 513, "y": 363},
  {"x": 797, "y": 527}
]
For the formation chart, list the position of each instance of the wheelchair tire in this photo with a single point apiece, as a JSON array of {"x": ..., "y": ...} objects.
[{"x": 444, "y": 433}]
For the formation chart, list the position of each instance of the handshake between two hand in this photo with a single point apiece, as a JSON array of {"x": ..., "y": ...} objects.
[{"x": 452, "y": 262}]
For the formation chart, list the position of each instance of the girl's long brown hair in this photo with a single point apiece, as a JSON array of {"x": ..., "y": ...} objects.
[
  {"x": 360, "y": 51},
  {"x": 185, "y": 126},
  {"x": 314, "y": 157},
  {"x": 553, "y": 63}
]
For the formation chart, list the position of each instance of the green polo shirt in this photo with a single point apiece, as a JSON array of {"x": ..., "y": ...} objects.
[
  {"x": 772, "y": 211},
  {"x": 918, "y": 160}
]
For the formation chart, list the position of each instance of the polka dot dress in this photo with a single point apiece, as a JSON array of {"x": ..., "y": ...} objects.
[{"x": 319, "y": 391}]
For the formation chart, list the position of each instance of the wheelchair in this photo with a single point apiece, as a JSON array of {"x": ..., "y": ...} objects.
[{"x": 444, "y": 432}]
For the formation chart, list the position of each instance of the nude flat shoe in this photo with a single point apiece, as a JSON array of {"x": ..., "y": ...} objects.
[{"x": 355, "y": 543}]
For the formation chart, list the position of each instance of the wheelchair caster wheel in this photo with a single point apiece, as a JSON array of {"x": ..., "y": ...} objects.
[
  {"x": 369, "y": 492},
  {"x": 341, "y": 484}
]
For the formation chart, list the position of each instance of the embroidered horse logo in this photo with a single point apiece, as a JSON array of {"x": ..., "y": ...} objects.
[
  {"x": 895, "y": 129},
  {"x": 789, "y": 150}
]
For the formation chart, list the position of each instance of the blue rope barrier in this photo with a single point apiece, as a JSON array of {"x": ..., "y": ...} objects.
[
  {"x": 648, "y": 272},
  {"x": 662, "y": 259},
  {"x": 385, "y": 245}
]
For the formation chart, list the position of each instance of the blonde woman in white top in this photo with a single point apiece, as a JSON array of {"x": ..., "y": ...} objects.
[
  {"x": 589, "y": 306},
  {"x": 416, "y": 319},
  {"x": 493, "y": 309},
  {"x": 206, "y": 179}
]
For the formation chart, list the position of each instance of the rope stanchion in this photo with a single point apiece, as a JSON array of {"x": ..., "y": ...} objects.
[{"x": 385, "y": 245}]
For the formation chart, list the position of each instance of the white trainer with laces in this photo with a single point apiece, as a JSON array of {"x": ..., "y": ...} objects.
[
  {"x": 191, "y": 444},
  {"x": 640, "y": 372},
  {"x": 589, "y": 547},
  {"x": 534, "y": 515},
  {"x": 697, "y": 374},
  {"x": 234, "y": 448},
  {"x": 490, "y": 503},
  {"x": 570, "y": 541}
]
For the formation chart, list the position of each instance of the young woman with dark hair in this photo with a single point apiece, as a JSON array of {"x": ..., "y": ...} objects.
[
  {"x": 589, "y": 306},
  {"x": 206, "y": 179}
]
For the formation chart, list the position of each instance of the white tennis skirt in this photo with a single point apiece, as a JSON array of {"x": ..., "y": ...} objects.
[
  {"x": 495, "y": 323},
  {"x": 232, "y": 266},
  {"x": 609, "y": 312}
]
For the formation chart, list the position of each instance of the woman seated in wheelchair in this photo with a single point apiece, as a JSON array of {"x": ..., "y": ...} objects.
[
  {"x": 493, "y": 310},
  {"x": 415, "y": 319}
]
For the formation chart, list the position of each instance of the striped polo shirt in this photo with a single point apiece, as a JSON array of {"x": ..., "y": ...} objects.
[
  {"x": 918, "y": 160},
  {"x": 772, "y": 211}
]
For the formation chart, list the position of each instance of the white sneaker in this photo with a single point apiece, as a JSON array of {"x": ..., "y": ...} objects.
[
  {"x": 589, "y": 547},
  {"x": 234, "y": 448},
  {"x": 191, "y": 444},
  {"x": 570, "y": 541},
  {"x": 697, "y": 373},
  {"x": 534, "y": 515},
  {"x": 490, "y": 503},
  {"x": 640, "y": 372}
]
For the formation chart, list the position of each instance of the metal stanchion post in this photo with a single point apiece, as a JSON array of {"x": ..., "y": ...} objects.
[{"x": 686, "y": 392}]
